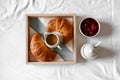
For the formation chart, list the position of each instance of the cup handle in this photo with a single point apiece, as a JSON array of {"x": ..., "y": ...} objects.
[{"x": 59, "y": 47}]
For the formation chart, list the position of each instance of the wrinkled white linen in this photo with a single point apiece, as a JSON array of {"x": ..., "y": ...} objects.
[{"x": 13, "y": 40}]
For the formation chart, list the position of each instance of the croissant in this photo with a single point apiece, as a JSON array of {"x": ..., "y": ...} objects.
[
  {"x": 39, "y": 50},
  {"x": 62, "y": 26}
]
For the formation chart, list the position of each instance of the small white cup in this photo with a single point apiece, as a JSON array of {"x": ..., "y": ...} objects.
[
  {"x": 89, "y": 51},
  {"x": 82, "y": 22},
  {"x": 57, "y": 35}
]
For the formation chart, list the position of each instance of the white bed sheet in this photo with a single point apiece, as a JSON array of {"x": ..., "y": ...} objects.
[{"x": 12, "y": 40}]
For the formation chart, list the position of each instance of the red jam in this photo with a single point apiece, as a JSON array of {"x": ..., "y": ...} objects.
[{"x": 89, "y": 27}]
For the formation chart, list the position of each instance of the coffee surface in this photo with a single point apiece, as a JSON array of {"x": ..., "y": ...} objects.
[{"x": 51, "y": 39}]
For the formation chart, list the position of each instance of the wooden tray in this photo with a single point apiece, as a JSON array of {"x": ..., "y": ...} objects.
[{"x": 28, "y": 54}]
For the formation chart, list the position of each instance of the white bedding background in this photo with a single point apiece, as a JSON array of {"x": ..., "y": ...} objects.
[{"x": 12, "y": 40}]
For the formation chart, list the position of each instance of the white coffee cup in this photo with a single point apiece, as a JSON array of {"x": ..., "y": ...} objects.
[{"x": 52, "y": 39}]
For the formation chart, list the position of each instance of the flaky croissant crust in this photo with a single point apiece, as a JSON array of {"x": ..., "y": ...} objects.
[
  {"x": 63, "y": 26},
  {"x": 39, "y": 50}
]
